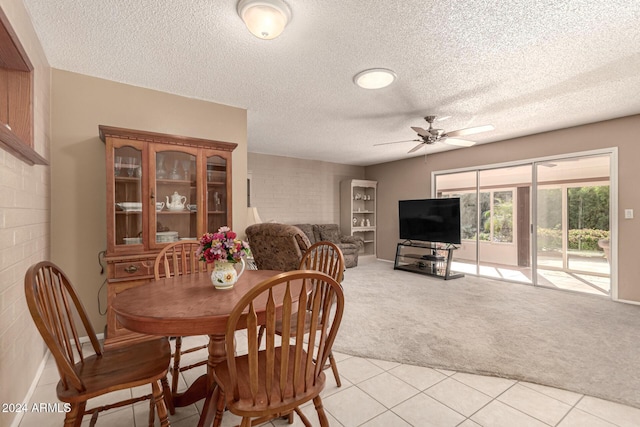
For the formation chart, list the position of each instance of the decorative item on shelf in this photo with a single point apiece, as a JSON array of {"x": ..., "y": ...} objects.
[
  {"x": 362, "y": 223},
  {"x": 187, "y": 171},
  {"x": 192, "y": 208},
  {"x": 368, "y": 223},
  {"x": 225, "y": 250},
  {"x": 117, "y": 165},
  {"x": 159, "y": 206},
  {"x": 174, "y": 172},
  {"x": 177, "y": 202},
  {"x": 161, "y": 173},
  {"x": 217, "y": 202},
  {"x": 355, "y": 221},
  {"x": 132, "y": 165},
  {"x": 358, "y": 196}
]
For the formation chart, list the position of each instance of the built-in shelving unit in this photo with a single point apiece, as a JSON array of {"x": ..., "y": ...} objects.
[{"x": 358, "y": 211}]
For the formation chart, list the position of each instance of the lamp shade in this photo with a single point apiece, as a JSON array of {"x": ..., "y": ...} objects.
[
  {"x": 253, "y": 217},
  {"x": 265, "y": 19}
]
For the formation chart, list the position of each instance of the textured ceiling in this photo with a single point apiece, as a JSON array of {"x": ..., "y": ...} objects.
[{"x": 525, "y": 66}]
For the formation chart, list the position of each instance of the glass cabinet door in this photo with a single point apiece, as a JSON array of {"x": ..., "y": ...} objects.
[
  {"x": 175, "y": 197},
  {"x": 216, "y": 194},
  {"x": 127, "y": 174}
]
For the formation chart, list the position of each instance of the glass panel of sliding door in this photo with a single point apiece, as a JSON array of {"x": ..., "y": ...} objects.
[
  {"x": 504, "y": 238},
  {"x": 572, "y": 232},
  {"x": 464, "y": 186}
]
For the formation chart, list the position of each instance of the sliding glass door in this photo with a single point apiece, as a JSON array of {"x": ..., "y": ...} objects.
[
  {"x": 573, "y": 224},
  {"x": 544, "y": 223}
]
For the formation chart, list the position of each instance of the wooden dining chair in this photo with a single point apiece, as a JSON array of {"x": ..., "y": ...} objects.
[
  {"x": 275, "y": 381},
  {"x": 178, "y": 259},
  {"x": 328, "y": 258},
  {"x": 55, "y": 309}
]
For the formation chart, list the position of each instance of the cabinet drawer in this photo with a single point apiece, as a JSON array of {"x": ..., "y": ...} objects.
[{"x": 132, "y": 269}]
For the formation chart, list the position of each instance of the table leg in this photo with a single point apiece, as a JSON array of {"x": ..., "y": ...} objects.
[
  {"x": 217, "y": 354},
  {"x": 202, "y": 387}
]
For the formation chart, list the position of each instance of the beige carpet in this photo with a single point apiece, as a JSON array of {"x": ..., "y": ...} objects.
[{"x": 576, "y": 342}]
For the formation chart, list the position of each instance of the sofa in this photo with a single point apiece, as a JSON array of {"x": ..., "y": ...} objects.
[
  {"x": 276, "y": 246},
  {"x": 349, "y": 245}
]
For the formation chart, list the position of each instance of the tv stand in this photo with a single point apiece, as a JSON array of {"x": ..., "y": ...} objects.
[{"x": 432, "y": 259}]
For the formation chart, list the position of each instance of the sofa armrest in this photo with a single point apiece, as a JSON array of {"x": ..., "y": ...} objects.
[{"x": 357, "y": 240}]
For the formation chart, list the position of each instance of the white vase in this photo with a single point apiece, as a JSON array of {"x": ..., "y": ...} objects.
[{"x": 225, "y": 275}]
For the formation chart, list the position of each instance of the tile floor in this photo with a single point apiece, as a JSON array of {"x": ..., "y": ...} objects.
[{"x": 378, "y": 393}]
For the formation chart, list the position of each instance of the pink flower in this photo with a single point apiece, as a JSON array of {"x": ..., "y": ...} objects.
[{"x": 222, "y": 246}]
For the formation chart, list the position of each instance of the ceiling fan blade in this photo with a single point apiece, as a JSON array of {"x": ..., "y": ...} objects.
[
  {"x": 396, "y": 142},
  {"x": 458, "y": 142},
  {"x": 420, "y": 131},
  {"x": 470, "y": 131},
  {"x": 416, "y": 148}
]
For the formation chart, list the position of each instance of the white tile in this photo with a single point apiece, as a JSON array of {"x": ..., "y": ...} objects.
[
  {"x": 469, "y": 423},
  {"x": 491, "y": 386},
  {"x": 445, "y": 371},
  {"x": 388, "y": 389},
  {"x": 458, "y": 396},
  {"x": 384, "y": 364},
  {"x": 568, "y": 397},
  {"x": 538, "y": 405},
  {"x": 352, "y": 406},
  {"x": 387, "y": 419},
  {"x": 356, "y": 369},
  {"x": 623, "y": 416},
  {"x": 578, "y": 418},
  {"x": 309, "y": 411},
  {"x": 418, "y": 376},
  {"x": 497, "y": 414},
  {"x": 123, "y": 417},
  {"x": 424, "y": 411}
]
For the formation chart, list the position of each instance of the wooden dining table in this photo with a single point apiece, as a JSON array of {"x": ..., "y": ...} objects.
[{"x": 186, "y": 306}]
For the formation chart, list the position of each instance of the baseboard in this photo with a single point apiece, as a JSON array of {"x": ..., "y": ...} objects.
[
  {"x": 626, "y": 301},
  {"x": 36, "y": 379}
]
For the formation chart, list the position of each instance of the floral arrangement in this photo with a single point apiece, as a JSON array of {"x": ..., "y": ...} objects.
[{"x": 222, "y": 246}]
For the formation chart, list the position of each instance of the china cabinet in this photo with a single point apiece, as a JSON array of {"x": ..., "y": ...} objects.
[
  {"x": 160, "y": 189},
  {"x": 358, "y": 211}
]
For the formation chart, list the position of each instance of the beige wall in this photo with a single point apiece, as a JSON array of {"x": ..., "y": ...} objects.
[
  {"x": 79, "y": 104},
  {"x": 411, "y": 178},
  {"x": 297, "y": 191},
  {"x": 24, "y": 229}
]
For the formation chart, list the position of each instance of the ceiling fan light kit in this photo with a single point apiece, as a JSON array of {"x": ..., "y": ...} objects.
[
  {"x": 265, "y": 19},
  {"x": 374, "y": 78}
]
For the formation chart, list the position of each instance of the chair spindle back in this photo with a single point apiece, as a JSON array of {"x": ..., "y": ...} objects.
[{"x": 54, "y": 307}]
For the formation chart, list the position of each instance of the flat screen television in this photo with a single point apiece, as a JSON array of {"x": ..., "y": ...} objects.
[{"x": 430, "y": 220}]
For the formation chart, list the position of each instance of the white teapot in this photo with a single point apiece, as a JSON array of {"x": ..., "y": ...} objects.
[{"x": 177, "y": 202}]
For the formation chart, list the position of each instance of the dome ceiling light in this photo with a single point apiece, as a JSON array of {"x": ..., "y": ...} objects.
[
  {"x": 265, "y": 19},
  {"x": 374, "y": 78}
]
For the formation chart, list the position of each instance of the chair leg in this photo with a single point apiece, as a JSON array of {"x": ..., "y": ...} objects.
[
  {"x": 168, "y": 396},
  {"x": 324, "y": 422},
  {"x": 73, "y": 418},
  {"x": 246, "y": 422},
  {"x": 175, "y": 372},
  {"x": 334, "y": 368},
  {"x": 152, "y": 412},
  {"x": 158, "y": 400},
  {"x": 218, "y": 396}
]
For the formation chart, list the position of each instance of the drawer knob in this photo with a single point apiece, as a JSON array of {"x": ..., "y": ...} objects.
[{"x": 131, "y": 269}]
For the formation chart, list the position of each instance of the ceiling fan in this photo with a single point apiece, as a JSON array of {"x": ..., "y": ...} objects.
[{"x": 433, "y": 135}]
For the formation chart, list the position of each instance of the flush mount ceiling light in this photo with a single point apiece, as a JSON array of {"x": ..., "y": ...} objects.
[
  {"x": 374, "y": 78},
  {"x": 265, "y": 19}
]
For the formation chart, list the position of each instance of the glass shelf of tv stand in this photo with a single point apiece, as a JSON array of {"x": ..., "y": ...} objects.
[{"x": 432, "y": 259}]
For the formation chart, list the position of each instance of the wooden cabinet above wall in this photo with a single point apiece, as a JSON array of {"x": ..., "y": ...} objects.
[{"x": 160, "y": 189}]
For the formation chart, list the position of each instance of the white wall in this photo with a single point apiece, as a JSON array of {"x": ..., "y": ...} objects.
[
  {"x": 24, "y": 228},
  {"x": 297, "y": 191}
]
